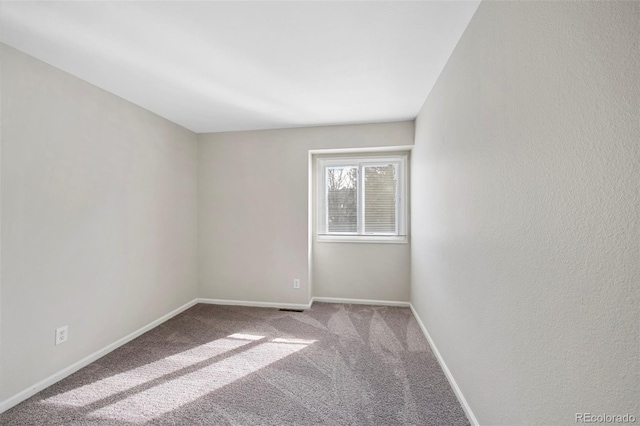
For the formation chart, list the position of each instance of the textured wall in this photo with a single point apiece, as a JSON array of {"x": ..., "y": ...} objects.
[
  {"x": 253, "y": 221},
  {"x": 525, "y": 211},
  {"x": 98, "y": 219}
]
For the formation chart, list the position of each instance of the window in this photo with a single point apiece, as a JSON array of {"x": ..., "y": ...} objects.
[{"x": 362, "y": 199}]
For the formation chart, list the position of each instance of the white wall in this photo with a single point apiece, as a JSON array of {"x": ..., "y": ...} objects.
[
  {"x": 362, "y": 271},
  {"x": 253, "y": 221},
  {"x": 525, "y": 211},
  {"x": 98, "y": 219},
  {"x": 1, "y": 56}
]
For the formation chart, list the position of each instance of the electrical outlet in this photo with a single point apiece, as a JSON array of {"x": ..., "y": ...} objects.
[
  {"x": 296, "y": 283},
  {"x": 62, "y": 334}
]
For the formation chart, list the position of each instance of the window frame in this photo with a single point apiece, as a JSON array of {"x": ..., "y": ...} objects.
[{"x": 362, "y": 161}]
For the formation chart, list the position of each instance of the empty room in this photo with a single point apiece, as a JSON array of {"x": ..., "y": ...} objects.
[{"x": 319, "y": 212}]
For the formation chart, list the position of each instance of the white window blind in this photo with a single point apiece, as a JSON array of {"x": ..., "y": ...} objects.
[{"x": 380, "y": 199}]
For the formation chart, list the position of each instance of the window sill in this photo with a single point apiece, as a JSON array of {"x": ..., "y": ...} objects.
[{"x": 369, "y": 239}]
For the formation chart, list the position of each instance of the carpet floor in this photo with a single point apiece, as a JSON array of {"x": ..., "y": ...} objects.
[{"x": 333, "y": 364}]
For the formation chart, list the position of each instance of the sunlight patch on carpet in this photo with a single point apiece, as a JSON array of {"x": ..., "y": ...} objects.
[
  {"x": 121, "y": 382},
  {"x": 173, "y": 394}
]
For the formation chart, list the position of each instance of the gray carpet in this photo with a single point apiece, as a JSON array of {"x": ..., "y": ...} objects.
[{"x": 222, "y": 365}]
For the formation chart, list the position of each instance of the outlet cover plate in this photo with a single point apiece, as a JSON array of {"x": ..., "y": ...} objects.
[{"x": 62, "y": 334}]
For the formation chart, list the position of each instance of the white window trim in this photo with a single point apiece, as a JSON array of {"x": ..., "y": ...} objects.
[{"x": 401, "y": 206}]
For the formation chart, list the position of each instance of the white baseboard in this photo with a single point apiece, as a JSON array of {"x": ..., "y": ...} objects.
[
  {"x": 303, "y": 306},
  {"x": 43, "y": 384},
  {"x": 254, "y": 304},
  {"x": 360, "y": 301},
  {"x": 465, "y": 406}
]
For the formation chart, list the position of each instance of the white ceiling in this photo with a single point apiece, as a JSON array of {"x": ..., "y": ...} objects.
[{"x": 226, "y": 66}]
